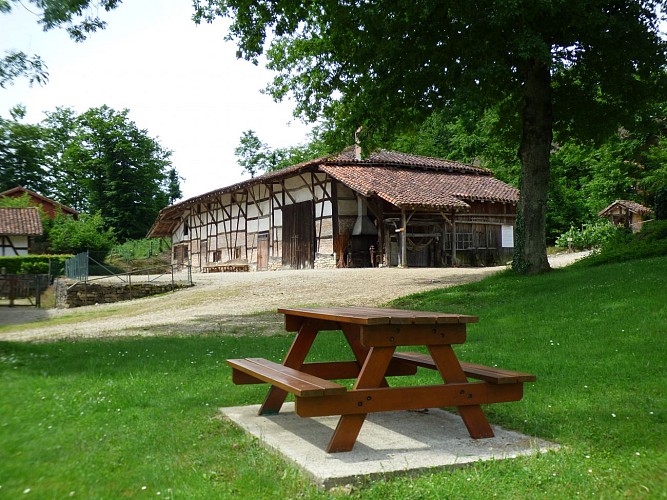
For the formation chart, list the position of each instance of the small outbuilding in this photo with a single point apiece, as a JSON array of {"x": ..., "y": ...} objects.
[
  {"x": 626, "y": 213},
  {"x": 387, "y": 209},
  {"x": 18, "y": 227}
]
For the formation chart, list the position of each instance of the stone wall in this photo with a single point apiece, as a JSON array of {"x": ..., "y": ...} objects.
[{"x": 71, "y": 294}]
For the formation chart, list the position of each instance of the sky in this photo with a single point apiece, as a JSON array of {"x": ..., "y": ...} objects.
[{"x": 181, "y": 82}]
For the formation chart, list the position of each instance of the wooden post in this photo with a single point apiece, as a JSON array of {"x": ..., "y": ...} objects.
[
  {"x": 404, "y": 239},
  {"x": 453, "y": 240}
]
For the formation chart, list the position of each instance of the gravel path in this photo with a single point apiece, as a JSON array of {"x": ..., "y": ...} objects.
[{"x": 218, "y": 298}]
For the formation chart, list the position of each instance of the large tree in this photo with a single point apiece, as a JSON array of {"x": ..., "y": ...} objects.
[
  {"x": 21, "y": 153},
  {"x": 99, "y": 161},
  {"x": 585, "y": 65},
  {"x": 116, "y": 168}
]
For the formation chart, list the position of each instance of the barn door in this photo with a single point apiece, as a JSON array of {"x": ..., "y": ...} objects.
[
  {"x": 299, "y": 235},
  {"x": 263, "y": 251}
]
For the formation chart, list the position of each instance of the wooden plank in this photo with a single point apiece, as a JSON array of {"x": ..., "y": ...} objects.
[
  {"x": 411, "y": 335},
  {"x": 376, "y": 316},
  {"x": 480, "y": 372},
  {"x": 299, "y": 383},
  {"x": 293, "y": 323},
  {"x": 350, "y": 369},
  {"x": 362, "y": 401}
]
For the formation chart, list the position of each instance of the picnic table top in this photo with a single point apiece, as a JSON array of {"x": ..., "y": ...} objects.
[{"x": 377, "y": 316}]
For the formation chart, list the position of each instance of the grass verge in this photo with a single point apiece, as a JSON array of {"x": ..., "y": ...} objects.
[{"x": 137, "y": 417}]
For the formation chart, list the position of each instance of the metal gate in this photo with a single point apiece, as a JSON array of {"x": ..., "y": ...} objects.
[
  {"x": 22, "y": 289},
  {"x": 299, "y": 235}
]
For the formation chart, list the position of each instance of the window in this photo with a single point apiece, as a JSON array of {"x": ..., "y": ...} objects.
[{"x": 463, "y": 241}]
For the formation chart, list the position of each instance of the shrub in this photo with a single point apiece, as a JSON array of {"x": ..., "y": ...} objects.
[
  {"x": 589, "y": 236},
  {"x": 651, "y": 241},
  {"x": 88, "y": 233}
]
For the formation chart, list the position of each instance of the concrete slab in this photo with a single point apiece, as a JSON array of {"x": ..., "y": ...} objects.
[{"x": 389, "y": 443}]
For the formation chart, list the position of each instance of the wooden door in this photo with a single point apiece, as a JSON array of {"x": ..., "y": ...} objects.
[
  {"x": 203, "y": 256},
  {"x": 299, "y": 235},
  {"x": 263, "y": 251}
]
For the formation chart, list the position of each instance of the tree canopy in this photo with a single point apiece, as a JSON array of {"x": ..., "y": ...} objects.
[
  {"x": 585, "y": 67},
  {"x": 96, "y": 162}
]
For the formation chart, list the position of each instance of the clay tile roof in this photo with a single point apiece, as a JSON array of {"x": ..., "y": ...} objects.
[
  {"x": 399, "y": 178},
  {"x": 20, "y": 222},
  {"x": 394, "y": 158},
  {"x": 425, "y": 188},
  {"x": 632, "y": 206}
]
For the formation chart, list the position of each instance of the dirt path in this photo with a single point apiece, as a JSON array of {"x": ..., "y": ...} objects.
[{"x": 218, "y": 300}]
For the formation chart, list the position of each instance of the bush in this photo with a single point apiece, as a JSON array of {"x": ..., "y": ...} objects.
[
  {"x": 88, "y": 233},
  {"x": 589, "y": 236},
  {"x": 651, "y": 241}
]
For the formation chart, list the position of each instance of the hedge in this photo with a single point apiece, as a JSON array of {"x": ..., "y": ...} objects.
[{"x": 34, "y": 264}]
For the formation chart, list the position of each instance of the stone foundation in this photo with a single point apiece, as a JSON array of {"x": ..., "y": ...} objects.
[{"x": 325, "y": 261}]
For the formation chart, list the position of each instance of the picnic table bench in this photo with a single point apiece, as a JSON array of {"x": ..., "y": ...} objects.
[{"x": 373, "y": 336}]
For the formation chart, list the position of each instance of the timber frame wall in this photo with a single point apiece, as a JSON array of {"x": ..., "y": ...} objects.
[
  {"x": 11, "y": 246},
  {"x": 231, "y": 226}
]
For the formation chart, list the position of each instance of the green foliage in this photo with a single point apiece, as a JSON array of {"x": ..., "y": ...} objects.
[
  {"x": 651, "y": 241},
  {"x": 588, "y": 236},
  {"x": 99, "y": 161},
  {"x": 88, "y": 233},
  {"x": 22, "y": 201},
  {"x": 34, "y": 268},
  {"x": 140, "y": 249},
  {"x": 17, "y": 64},
  {"x": 34, "y": 264},
  {"x": 253, "y": 155},
  {"x": 661, "y": 203},
  {"x": 256, "y": 157},
  {"x": 123, "y": 172},
  {"x": 21, "y": 156}
]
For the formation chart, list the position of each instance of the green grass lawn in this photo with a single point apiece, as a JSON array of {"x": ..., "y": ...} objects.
[{"x": 138, "y": 417}]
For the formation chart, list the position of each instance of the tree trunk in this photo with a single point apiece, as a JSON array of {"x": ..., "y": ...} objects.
[{"x": 530, "y": 252}]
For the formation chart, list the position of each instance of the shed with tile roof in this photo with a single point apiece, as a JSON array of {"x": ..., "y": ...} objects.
[
  {"x": 18, "y": 227},
  {"x": 626, "y": 213},
  {"x": 390, "y": 209}
]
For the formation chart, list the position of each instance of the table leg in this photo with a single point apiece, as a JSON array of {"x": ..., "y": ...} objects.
[
  {"x": 360, "y": 351},
  {"x": 371, "y": 375},
  {"x": 449, "y": 367},
  {"x": 295, "y": 357}
]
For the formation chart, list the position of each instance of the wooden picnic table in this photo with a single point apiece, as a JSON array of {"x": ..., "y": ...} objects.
[{"x": 373, "y": 335}]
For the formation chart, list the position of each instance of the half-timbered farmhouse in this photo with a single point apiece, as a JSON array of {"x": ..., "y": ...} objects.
[{"x": 388, "y": 209}]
